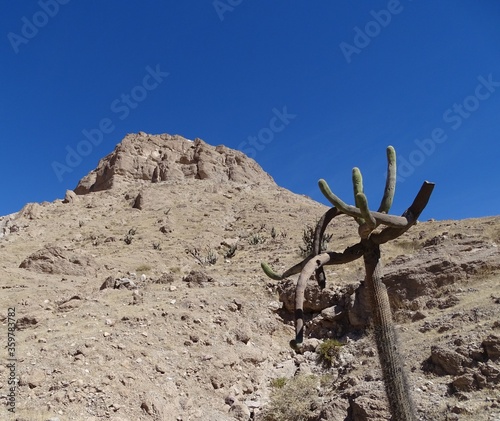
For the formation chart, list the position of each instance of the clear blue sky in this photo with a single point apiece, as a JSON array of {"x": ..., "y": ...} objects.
[{"x": 309, "y": 89}]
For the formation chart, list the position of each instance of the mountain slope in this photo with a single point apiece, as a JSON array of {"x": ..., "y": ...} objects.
[{"x": 150, "y": 314}]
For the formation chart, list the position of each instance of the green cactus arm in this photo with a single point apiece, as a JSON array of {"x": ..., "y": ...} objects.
[
  {"x": 289, "y": 272},
  {"x": 357, "y": 183},
  {"x": 362, "y": 203},
  {"x": 333, "y": 199},
  {"x": 390, "y": 183},
  {"x": 269, "y": 272},
  {"x": 367, "y": 227},
  {"x": 380, "y": 218}
]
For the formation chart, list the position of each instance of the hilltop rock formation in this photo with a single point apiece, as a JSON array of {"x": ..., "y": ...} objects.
[{"x": 157, "y": 158}]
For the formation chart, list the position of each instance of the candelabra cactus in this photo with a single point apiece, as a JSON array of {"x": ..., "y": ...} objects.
[{"x": 396, "y": 385}]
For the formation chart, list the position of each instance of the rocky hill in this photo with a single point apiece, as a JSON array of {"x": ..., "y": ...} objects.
[{"x": 141, "y": 297}]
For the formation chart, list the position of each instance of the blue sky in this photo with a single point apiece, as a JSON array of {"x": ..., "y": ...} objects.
[{"x": 308, "y": 89}]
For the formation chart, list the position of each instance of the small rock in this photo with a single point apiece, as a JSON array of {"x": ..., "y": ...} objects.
[
  {"x": 138, "y": 202},
  {"x": 70, "y": 197},
  {"x": 491, "y": 346},
  {"x": 239, "y": 411},
  {"x": 446, "y": 361},
  {"x": 160, "y": 369}
]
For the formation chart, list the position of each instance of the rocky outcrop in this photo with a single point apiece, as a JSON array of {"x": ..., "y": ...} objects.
[
  {"x": 443, "y": 260},
  {"x": 157, "y": 158},
  {"x": 55, "y": 260}
]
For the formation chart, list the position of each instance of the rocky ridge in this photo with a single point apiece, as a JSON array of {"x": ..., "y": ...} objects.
[
  {"x": 160, "y": 311},
  {"x": 157, "y": 158}
]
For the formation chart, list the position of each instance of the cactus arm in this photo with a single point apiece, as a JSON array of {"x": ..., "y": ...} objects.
[
  {"x": 289, "y": 272},
  {"x": 390, "y": 183},
  {"x": 357, "y": 182},
  {"x": 380, "y": 218},
  {"x": 270, "y": 272},
  {"x": 411, "y": 215},
  {"x": 333, "y": 199},
  {"x": 370, "y": 223}
]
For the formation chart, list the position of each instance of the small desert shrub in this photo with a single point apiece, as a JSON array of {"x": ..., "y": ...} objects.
[
  {"x": 211, "y": 257},
  {"x": 278, "y": 382},
  {"x": 143, "y": 268},
  {"x": 273, "y": 233},
  {"x": 296, "y": 400},
  {"x": 308, "y": 239},
  {"x": 231, "y": 251},
  {"x": 328, "y": 351},
  {"x": 175, "y": 269},
  {"x": 408, "y": 246},
  {"x": 256, "y": 239}
]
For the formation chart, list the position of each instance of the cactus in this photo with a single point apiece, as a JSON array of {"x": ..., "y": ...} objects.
[{"x": 396, "y": 385}]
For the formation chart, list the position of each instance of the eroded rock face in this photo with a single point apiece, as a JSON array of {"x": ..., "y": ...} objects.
[
  {"x": 157, "y": 158},
  {"x": 442, "y": 261}
]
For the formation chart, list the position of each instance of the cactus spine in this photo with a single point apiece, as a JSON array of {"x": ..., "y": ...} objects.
[{"x": 396, "y": 384}]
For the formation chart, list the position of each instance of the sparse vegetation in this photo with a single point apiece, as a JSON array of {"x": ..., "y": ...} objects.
[
  {"x": 408, "y": 246},
  {"x": 278, "y": 382},
  {"x": 296, "y": 399},
  {"x": 211, "y": 257},
  {"x": 306, "y": 248},
  {"x": 256, "y": 239},
  {"x": 143, "y": 268},
  {"x": 328, "y": 351}
]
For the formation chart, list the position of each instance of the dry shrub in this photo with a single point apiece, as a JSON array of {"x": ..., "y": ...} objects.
[{"x": 296, "y": 400}]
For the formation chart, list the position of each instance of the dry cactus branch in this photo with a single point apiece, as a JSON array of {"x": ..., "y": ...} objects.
[
  {"x": 312, "y": 265},
  {"x": 318, "y": 236},
  {"x": 411, "y": 215}
]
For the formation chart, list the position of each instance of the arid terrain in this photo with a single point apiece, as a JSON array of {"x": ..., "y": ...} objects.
[{"x": 140, "y": 297}]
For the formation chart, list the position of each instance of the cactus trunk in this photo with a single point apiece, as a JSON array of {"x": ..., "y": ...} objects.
[{"x": 396, "y": 383}]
